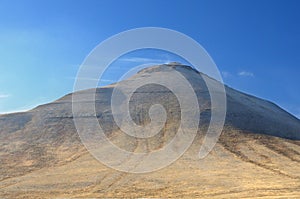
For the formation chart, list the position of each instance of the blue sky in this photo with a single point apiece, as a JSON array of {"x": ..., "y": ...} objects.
[{"x": 255, "y": 44}]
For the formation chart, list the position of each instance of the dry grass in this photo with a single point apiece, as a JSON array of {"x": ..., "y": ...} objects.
[{"x": 240, "y": 166}]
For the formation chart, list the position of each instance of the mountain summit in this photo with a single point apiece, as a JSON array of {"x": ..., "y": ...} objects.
[{"x": 258, "y": 153}]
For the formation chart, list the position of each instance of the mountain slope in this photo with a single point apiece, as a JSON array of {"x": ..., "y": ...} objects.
[{"x": 258, "y": 153}]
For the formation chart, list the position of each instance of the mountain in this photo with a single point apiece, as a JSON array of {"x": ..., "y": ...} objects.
[{"x": 257, "y": 155}]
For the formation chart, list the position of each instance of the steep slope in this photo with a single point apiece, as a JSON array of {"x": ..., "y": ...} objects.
[{"x": 258, "y": 152}]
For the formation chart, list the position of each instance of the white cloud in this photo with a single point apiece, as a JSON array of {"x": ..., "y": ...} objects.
[
  {"x": 246, "y": 74},
  {"x": 226, "y": 74},
  {"x": 4, "y": 96}
]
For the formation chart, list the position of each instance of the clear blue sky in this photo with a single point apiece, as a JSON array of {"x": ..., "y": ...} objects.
[{"x": 255, "y": 44}]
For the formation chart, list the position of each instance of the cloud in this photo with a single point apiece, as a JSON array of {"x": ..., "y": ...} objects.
[
  {"x": 226, "y": 74},
  {"x": 246, "y": 74},
  {"x": 143, "y": 60},
  {"x": 2, "y": 96}
]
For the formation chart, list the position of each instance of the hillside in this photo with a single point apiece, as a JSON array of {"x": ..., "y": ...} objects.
[{"x": 257, "y": 155}]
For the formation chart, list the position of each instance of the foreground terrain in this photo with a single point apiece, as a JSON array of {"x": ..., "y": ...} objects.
[{"x": 240, "y": 166}]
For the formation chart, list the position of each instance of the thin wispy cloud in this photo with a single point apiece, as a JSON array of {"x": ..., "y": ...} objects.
[
  {"x": 246, "y": 74},
  {"x": 2, "y": 96},
  {"x": 226, "y": 74}
]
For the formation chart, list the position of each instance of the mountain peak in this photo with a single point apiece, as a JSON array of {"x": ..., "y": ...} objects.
[
  {"x": 174, "y": 63},
  {"x": 167, "y": 67}
]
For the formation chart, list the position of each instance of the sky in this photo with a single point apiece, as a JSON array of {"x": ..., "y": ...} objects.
[{"x": 254, "y": 43}]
